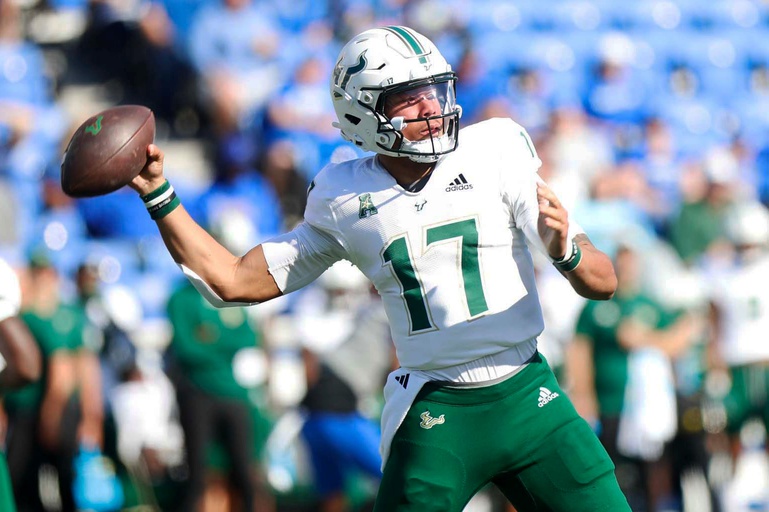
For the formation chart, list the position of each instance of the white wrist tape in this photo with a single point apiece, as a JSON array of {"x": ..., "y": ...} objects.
[
  {"x": 569, "y": 252},
  {"x": 206, "y": 291}
]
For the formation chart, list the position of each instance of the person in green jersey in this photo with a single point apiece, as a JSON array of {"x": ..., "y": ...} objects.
[
  {"x": 599, "y": 367},
  {"x": 215, "y": 407},
  {"x": 50, "y": 419},
  {"x": 698, "y": 227},
  {"x": 20, "y": 362},
  {"x": 443, "y": 231}
]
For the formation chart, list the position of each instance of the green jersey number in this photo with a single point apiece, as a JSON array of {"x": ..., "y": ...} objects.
[{"x": 398, "y": 256}]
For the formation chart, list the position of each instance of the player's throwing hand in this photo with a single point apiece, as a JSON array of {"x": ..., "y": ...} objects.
[{"x": 151, "y": 176}]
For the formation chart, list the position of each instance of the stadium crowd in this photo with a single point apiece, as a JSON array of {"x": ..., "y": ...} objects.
[{"x": 651, "y": 119}]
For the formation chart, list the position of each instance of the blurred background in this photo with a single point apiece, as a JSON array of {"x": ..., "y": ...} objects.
[{"x": 651, "y": 118}]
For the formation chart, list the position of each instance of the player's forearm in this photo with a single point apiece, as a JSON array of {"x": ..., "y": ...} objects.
[
  {"x": 232, "y": 279},
  {"x": 221, "y": 277},
  {"x": 594, "y": 278},
  {"x": 190, "y": 245}
]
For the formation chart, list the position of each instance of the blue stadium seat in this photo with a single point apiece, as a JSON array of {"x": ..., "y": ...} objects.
[
  {"x": 499, "y": 51},
  {"x": 490, "y": 16},
  {"x": 117, "y": 256},
  {"x": 153, "y": 290},
  {"x": 753, "y": 112},
  {"x": 297, "y": 14},
  {"x": 62, "y": 5},
  {"x": 582, "y": 15},
  {"x": 181, "y": 13},
  {"x": 23, "y": 78},
  {"x": 717, "y": 15}
]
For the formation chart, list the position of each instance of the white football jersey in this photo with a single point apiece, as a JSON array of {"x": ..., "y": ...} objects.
[
  {"x": 451, "y": 261},
  {"x": 742, "y": 299},
  {"x": 10, "y": 292}
]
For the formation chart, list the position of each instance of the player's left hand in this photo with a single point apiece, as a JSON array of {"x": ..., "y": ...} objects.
[{"x": 553, "y": 224}]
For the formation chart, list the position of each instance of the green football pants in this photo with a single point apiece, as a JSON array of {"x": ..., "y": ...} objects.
[
  {"x": 748, "y": 396},
  {"x": 521, "y": 434}
]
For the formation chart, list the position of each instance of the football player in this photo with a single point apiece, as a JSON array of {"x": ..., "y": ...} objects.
[
  {"x": 739, "y": 321},
  {"x": 444, "y": 232},
  {"x": 20, "y": 361}
]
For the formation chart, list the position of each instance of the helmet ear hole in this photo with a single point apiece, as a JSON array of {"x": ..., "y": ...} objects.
[
  {"x": 383, "y": 139},
  {"x": 366, "y": 98}
]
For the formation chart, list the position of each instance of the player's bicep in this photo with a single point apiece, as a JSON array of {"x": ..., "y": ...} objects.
[{"x": 259, "y": 283}]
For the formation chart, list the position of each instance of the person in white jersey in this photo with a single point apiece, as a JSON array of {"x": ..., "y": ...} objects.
[
  {"x": 740, "y": 320},
  {"x": 443, "y": 230}
]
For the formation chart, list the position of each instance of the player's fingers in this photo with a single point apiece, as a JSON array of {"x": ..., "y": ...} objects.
[
  {"x": 555, "y": 224},
  {"x": 544, "y": 193},
  {"x": 154, "y": 153},
  {"x": 551, "y": 211}
]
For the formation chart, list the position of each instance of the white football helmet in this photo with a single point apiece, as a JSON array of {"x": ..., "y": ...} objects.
[
  {"x": 747, "y": 224},
  {"x": 379, "y": 63}
]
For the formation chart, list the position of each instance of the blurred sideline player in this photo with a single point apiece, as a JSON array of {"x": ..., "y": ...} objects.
[
  {"x": 347, "y": 353},
  {"x": 443, "y": 231},
  {"x": 740, "y": 320},
  {"x": 20, "y": 362}
]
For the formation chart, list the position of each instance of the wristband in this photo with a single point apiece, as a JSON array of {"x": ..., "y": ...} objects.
[
  {"x": 161, "y": 201},
  {"x": 571, "y": 259}
]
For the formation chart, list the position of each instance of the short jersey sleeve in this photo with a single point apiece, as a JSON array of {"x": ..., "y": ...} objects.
[
  {"x": 300, "y": 256},
  {"x": 10, "y": 292},
  {"x": 321, "y": 197},
  {"x": 518, "y": 172},
  {"x": 518, "y": 182}
]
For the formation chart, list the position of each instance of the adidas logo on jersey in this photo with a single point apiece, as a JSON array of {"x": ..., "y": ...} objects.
[
  {"x": 546, "y": 396},
  {"x": 459, "y": 183},
  {"x": 403, "y": 380}
]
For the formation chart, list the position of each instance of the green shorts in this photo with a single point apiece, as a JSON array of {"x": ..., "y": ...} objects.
[
  {"x": 521, "y": 434},
  {"x": 748, "y": 396}
]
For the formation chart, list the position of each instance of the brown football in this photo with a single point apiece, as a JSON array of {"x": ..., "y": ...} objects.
[{"x": 107, "y": 151}]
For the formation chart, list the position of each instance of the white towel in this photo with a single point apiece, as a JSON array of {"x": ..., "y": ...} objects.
[
  {"x": 649, "y": 416},
  {"x": 399, "y": 393}
]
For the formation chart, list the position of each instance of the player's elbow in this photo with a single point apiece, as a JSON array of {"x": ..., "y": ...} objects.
[
  {"x": 236, "y": 294},
  {"x": 604, "y": 293},
  {"x": 224, "y": 296},
  {"x": 595, "y": 287},
  {"x": 602, "y": 288}
]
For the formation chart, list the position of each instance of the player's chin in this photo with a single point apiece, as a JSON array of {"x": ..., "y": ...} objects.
[{"x": 427, "y": 135}]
